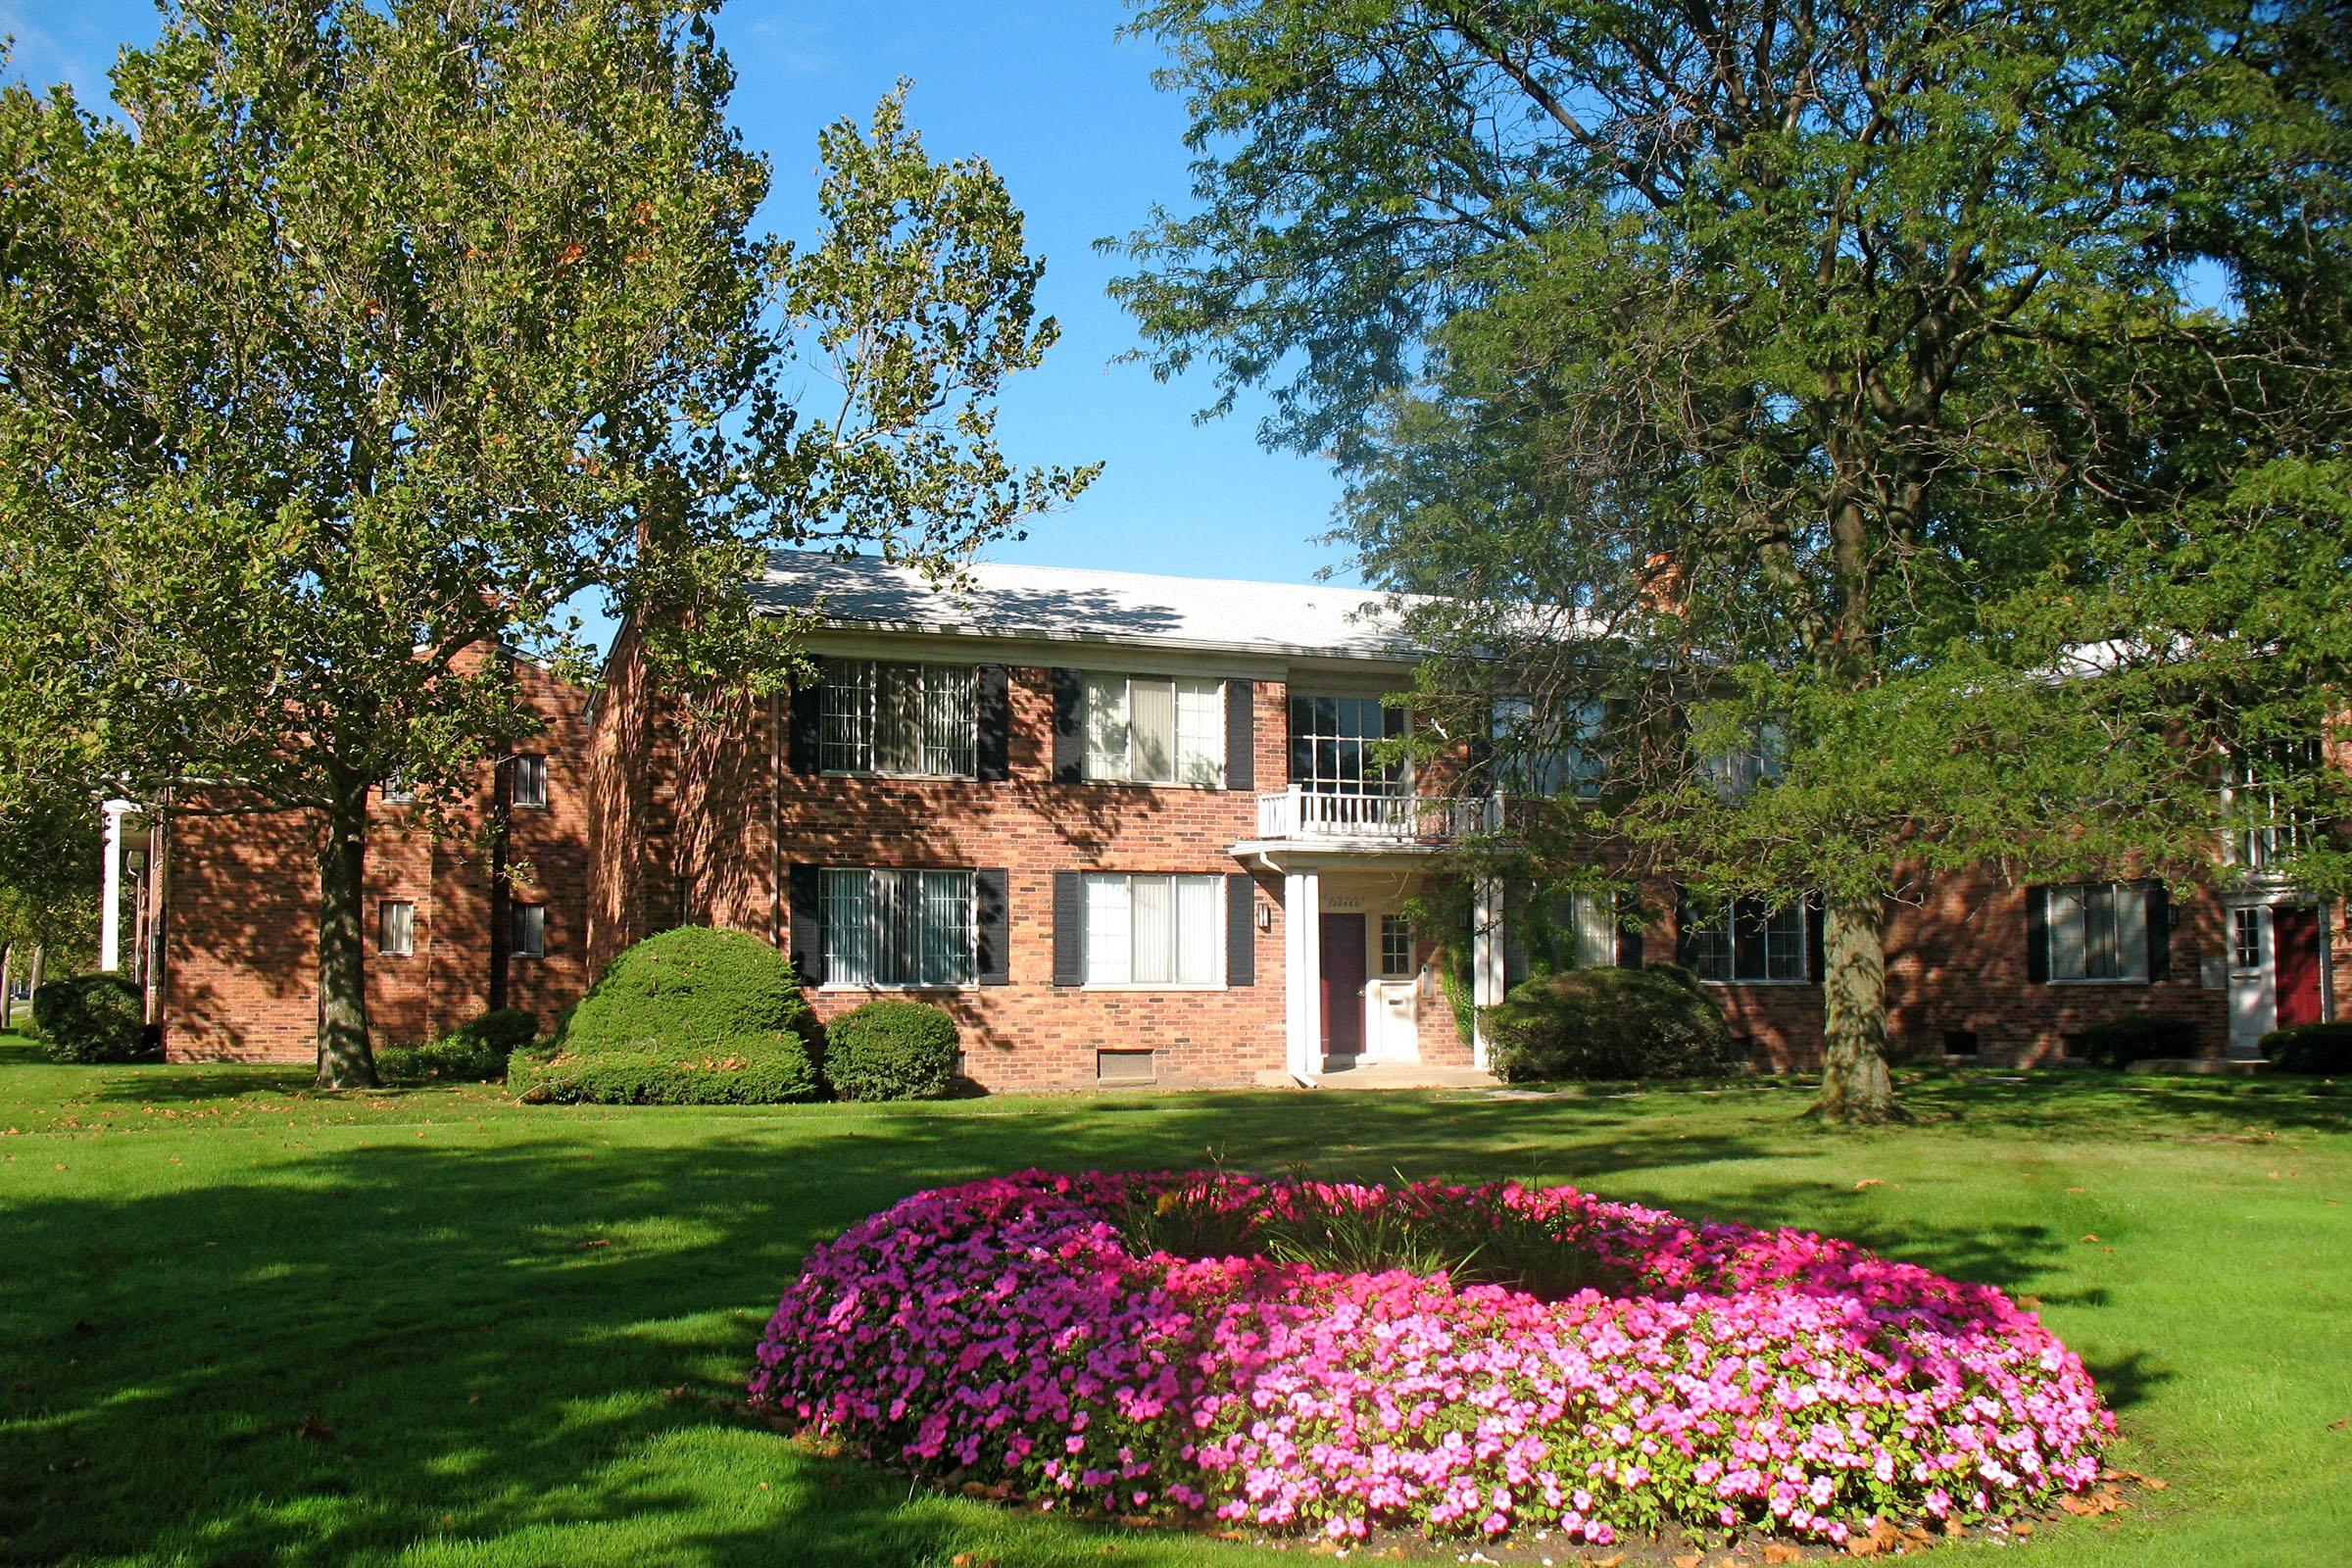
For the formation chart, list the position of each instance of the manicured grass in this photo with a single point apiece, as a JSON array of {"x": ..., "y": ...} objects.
[{"x": 243, "y": 1324}]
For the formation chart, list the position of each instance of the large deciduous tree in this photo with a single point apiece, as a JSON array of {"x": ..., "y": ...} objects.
[
  {"x": 1834, "y": 373},
  {"x": 376, "y": 334}
]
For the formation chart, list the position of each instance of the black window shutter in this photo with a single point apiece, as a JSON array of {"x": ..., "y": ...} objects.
[
  {"x": 1817, "y": 966},
  {"x": 2037, "y": 934},
  {"x": 1069, "y": 741},
  {"x": 1240, "y": 738},
  {"x": 994, "y": 921},
  {"x": 802, "y": 884},
  {"x": 992, "y": 702},
  {"x": 1241, "y": 928},
  {"x": 1069, "y": 928},
  {"x": 806, "y": 726},
  {"x": 1629, "y": 938},
  {"x": 2160, "y": 931}
]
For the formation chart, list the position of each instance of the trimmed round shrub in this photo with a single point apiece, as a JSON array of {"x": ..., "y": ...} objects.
[
  {"x": 891, "y": 1051},
  {"x": 772, "y": 1066},
  {"x": 2131, "y": 1037},
  {"x": 471, "y": 1053},
  {"x": 1049, "y": 1335},
  {"x": 91, "y": 1018},
  {"x": 688, "y": 988},
  {"x": 2322, "y": 1048},
  {"x": 1604, "y": 1024}
]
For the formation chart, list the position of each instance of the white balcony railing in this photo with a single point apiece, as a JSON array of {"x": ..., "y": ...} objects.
[{"x": 1395, "y": 818}]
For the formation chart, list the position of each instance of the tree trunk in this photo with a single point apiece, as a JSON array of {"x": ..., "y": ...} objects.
[
  {"x": 344, "y": 1060},
  {"x": 8, "y": 973},
  {"x": 40, "y": 965},
  {"x": 1855, "y": 1086}
]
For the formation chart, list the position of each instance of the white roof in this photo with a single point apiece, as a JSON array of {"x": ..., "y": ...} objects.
[{"x": 991, "y": 599}]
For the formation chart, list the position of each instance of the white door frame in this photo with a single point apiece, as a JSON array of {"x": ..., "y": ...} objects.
[{"x": 2253, "y": 993}]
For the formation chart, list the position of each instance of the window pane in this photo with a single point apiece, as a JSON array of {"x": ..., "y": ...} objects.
[
  {"x": 1710, "y": 942},
  {"x": 1595, "y": 931},
  {"x": 1106, "y": 726},
  {"x": 845, "y": 734},
  {"x": 1197, "y": 930},
  {"x": 848, "y": 941},
  {"x": 530, "y": 930},
  {"x": 950, "y": 735},
  {"x": 1109, "y": 950},
  {"x": 947, "y": 928},
  {"x": 2099, "y": 932},
  {"x": 897, "y": 718},
  {"x": 1750, "y": 959},
  {"x": 2067, "y": 945},
  {"x": 530, "y": 780},
  {"x": 1153, "y": 916},
  {"x": 1201, "y": 732},
  {"x": 1784, "y": 944},
  {"x": 2131, "y": 926},
  {"x": 1396, "y": 945},
  {"x": 1152, "y": 716}
]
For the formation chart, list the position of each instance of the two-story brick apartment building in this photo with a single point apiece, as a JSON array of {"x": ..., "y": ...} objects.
[{"x": 1133, "y": 828}]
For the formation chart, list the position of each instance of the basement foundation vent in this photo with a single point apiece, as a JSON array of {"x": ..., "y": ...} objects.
[{"x": 1125, "y": 1067}]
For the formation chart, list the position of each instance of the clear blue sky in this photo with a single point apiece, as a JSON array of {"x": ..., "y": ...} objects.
[{"x": 1068, "y": 115}]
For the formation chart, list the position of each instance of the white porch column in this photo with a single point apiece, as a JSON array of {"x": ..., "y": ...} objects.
[
  {"x": 1302, "y": 973},
  {"x": 1487, "y": 974},
  {"x": 110, "y": 888}
]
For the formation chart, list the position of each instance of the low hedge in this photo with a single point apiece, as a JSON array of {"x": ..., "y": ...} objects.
[
  {"x": 2132, "y": 1036},
  {"x": 768, "y": 1067},
  {"x": 2321, "y": 1049},
  {"x": 1604, "y": 1024},
  {"x": 91, "y": 1018},
  {"x": 471, "y": 1053},
  {"x": 891, "y": 1051},
  {"x": 691, "y": 989}
]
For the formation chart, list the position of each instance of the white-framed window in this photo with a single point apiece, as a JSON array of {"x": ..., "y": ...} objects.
[
  {"x": 1334, "y": 744},
  {"x": 1540, "y": 936},
  {"x": 396, "y": 928},
  {"x": 898, "y": 927},
  {"x": 528, "y": 925},
  {"x": 1395, "y": 947},
  {"x": 1747, "y": 942},
  {"x": 1153, "y": 729},
  {"x": 397, "y": 791},
  {"x": 529, "y": 779},
  {"x": 2266, "y": 787},
  {"x": 1552, "y": 754},
  {"x": 1736, "y": 774},
  {"x": 2098, "y": 931},
  {"x": 919, "y": 720},
  {"x": 1153, "y": 930}
]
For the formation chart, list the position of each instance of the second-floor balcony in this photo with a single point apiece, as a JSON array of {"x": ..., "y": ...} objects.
[{"x": 1386, "y": 818}]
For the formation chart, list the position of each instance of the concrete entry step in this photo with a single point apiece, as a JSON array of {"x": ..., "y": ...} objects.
[
  {"x": 1402, "y": 1075},
  {"x": 2201, "y": 1066}
]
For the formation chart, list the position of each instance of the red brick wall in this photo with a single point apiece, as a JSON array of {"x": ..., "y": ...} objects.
[{"x": 241, "y": 898}]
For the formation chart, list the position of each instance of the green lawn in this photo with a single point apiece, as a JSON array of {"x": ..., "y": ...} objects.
[{"x": 243, "y": 1324}]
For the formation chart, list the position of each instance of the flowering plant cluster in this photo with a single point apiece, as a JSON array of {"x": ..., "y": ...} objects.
[{"x": 1723, "y": 1377}]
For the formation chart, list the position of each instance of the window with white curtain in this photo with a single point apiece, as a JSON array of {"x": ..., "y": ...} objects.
[
  {"x": 897, "y": 927},
  {"x": 396, "y": 928},
  {"x": 1154, "y": 730},
  {"x": 915, "y": 719},
  {"x": 1153, "y": 930},
  {"x": 2099, "y": 931}
]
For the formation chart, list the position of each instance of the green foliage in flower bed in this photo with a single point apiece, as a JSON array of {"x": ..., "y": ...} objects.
[
  {"x": 91, "y": 1018},
  {"x": 770, "y": 1067},
  {"x": 473, "y": 1053},
  {"x": 1609, "y": 1023},
  {"x": 2132, "y": 1036},
  {"x": 891, "y": 1051},
  {"x": 2323, "y": 1048}
]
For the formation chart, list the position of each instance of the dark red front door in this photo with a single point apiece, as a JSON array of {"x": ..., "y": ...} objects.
[
  {"x": 2295, "y": 940},
  {"x": 1343, "y": 984}
]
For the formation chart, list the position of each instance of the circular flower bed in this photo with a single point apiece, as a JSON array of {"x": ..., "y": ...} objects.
[{"x": 1454, "y": 1359}]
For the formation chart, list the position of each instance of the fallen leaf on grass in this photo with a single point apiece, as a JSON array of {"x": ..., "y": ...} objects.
[
  {"x": 1688, "y": 1559},
  {"x": 1776, "y": 1553},
  {"x": 2090, "y": 1238}
]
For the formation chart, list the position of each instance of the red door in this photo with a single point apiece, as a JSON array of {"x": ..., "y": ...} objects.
[
  {"x": 1343, "y": 984},
  {"x": 2295, "y": 943}
]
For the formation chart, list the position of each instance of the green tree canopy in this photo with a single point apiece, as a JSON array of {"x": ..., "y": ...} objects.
[
  {"x": 378, "y": 334},
  {"x": 1830, "y": 382}
]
